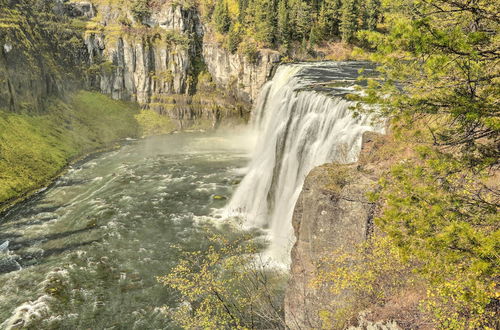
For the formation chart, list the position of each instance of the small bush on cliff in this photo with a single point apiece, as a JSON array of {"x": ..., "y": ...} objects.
[
  {"x": 226, "y": 286},
  {"x": 250, "y": 51},
  {"x": 374, "y": 272},
  {"x": 141, "y": 10}
]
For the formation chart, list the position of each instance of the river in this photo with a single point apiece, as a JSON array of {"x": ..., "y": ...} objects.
[{"x": 97, "y": 238}]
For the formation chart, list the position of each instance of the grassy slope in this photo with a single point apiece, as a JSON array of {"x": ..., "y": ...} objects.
[{"x": 34, "y": 149}]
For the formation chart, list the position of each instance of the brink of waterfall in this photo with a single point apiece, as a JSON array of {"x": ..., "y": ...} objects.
[{"x": 301, "y": 123}]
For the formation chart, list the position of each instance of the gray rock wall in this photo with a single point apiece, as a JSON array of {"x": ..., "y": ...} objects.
[
  {"x": 147, "y": 61},
  {"x": 145, "y": 69},
  {"x": 332, "y": 212},
  {"x": 40, "y": 56},
  {"x": 234, "y": 70}
]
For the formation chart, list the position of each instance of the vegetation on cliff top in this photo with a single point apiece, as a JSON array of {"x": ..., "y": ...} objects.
[{"x": 295, "y": 27}]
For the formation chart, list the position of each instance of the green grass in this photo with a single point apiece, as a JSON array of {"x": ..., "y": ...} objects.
[
  {"x": 35, "y": 148},
  {"x": 152, "y": 123}
]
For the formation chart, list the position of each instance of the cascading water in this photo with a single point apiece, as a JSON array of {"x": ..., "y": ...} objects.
[{"x": 299, "y": 127}]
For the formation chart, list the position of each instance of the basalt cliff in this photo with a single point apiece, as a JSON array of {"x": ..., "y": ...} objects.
[{"x": 164, "y": 59}]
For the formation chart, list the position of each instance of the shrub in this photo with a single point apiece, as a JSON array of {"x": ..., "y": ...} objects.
[
  {"x": 140, "y": 9},
  {"x": 226, "y": 285},
  {"x": 250, "y": 51}
]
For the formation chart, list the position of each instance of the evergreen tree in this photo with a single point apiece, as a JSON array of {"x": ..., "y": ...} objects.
[
  {"x": 371, "y": 14},
  {"x": 334, "y": 15},
  {"x": 283, "y": 31},
  {"x": 280, "y": 23},
  {"x": 242, "y": 6},
  {"x": 315, "y": 36},
  {"x": 441, "y": 206},
  {"x": 221, "y": 17},
  {"x": 349, "y": 19},
  {"x": 265, "y": 21},
  {"x": 300, "y": 19}
]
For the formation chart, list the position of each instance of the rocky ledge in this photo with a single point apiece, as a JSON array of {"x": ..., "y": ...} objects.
[{"x": 332, "y": 213}]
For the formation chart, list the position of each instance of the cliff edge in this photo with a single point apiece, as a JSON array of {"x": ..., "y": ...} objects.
[{"x": 333, "y": 213}]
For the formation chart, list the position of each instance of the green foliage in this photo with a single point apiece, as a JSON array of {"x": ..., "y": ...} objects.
[
  {"x": 34, "y": 148},
  {"x": 152, "y": 123},
  {"x": 452, "y": 229},
  {"x": 221, "y": 17},
  {"x": 283, "y": 31},
  {"x": 348, "y": 21},
  {"x": 233, "y": 40},
  {"x": 300, "y": 18},
  {"x": 261, "y": 16},
  {"x": 372, "y": 14},
  {"x": 372, "y": 273},
  {"x": 281, "y": 23},
  {"x": 439, "y": 85},
  {"x": 250, "y": 51},
  {"x": 140, "y": 9},
  {"x": 225, "y": 285}
]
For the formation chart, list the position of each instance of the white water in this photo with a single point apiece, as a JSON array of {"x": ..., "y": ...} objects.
[{"x": 298, "y": 129}]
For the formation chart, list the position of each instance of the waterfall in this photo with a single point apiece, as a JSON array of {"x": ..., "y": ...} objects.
[{"x": 298, "y": 129}]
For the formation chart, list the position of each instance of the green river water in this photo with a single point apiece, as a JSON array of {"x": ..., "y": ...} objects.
[{"x": 91, "y": 245}]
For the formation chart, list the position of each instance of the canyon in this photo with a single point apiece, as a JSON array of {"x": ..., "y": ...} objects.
[{"x": 170, "y": 63}]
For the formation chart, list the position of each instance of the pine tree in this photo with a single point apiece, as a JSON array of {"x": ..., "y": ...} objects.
[
  {"x": 372, "y": 12},
  {"x": 221, "y": 17},
  {"x": 264, "y": 21},
  {"x": 334, "y": 15},
  {"x": 315, "y": 36},
  {"x": 283, "y": 23},
  {"x": 242, "y": 6},
  {"x": 349, "y": 20},
  {"x": 441, "y": 207},
  {"x": 300, "y": 17}
]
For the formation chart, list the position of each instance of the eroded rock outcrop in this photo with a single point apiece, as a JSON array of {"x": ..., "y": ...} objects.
[
  {"x": 157, "y": 60},
  {"x": 144, "y": 61},
  {"x": 333, "y": 213},
  {"x": 236, "y": 70},
  {"x": 40, "y": 55}
]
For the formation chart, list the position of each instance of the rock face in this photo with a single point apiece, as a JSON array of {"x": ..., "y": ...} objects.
[
  {"x": 332, "y": 213},
  {"x": 236, "y": 70},
  {"x": 154, "y": 59},
  {"x": 145, "y": 63},
  {"x": 40, "y": 56},
  {"x": 79, "y": 9},
  {"x": 159, "y": 57}
]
